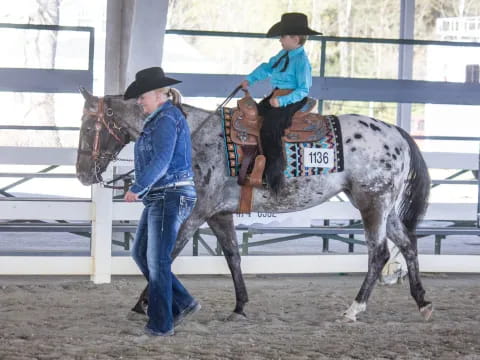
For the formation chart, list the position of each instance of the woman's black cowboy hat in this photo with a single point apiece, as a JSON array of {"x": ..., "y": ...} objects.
[
  {"x": 292, "y": 24},
  {"x": 147, "y": 80}
]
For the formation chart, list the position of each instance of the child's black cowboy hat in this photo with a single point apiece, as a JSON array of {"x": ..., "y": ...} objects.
[
  {"x": 147, "y": 80},
  {"x": 292, "y": 24}
]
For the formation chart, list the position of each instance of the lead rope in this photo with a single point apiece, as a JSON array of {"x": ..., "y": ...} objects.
[{"x": 120, "y": 177}]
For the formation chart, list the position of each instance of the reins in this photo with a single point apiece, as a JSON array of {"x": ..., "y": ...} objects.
[
  {"x": 100, "y": 123},
  {"x": 227, "y": 99}
]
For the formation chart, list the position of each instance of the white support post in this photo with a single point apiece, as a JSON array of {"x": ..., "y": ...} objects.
[
  {"x": 405, "y": 59},
  {"x": 101, "y": 241},
  {"x": 147, "y": 33},
  {"x": 135, "y": 32}
]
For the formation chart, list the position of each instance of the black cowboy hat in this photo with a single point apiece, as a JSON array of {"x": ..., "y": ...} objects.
[
  {"x": 147, "y": 80},
  {"x": 292, "y": 24}
]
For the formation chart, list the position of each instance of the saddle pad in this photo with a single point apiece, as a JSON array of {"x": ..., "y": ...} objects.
[
  {"x": 231, "y": 149},
  {"x": 319, "y": 157}
]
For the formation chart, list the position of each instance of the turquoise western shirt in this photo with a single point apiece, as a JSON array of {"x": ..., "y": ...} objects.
[{"x": 297, "y": 76}]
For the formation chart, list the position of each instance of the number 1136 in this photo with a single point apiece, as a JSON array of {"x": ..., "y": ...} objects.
[{"x": 314, "y": 157}]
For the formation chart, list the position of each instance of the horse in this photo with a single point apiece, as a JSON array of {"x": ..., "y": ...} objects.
[{"x": 385, "y": 177}]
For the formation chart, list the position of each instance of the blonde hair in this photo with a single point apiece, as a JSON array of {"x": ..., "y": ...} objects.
[{"x": 173, "y": 94}]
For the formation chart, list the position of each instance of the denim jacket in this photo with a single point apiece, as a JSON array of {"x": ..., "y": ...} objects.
[{"x": 163, "y": 152}]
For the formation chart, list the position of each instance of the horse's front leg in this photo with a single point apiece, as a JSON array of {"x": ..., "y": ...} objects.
[
  {"x": 184, "y": 235},
  {"x": 223, "y": 227},
  {"x": 378, "y": 255}
]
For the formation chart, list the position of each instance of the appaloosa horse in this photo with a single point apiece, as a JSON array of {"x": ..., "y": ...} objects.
[{"x": 385, "y": 177}]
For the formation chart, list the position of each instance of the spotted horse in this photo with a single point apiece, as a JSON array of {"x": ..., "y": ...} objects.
[{"x": 384, "y": 176}]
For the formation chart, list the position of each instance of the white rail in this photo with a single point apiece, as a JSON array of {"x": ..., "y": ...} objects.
[{"x": 101, "y": 211}]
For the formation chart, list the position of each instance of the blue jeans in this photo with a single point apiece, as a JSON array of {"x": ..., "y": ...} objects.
[{"x": 165, "y": 211}]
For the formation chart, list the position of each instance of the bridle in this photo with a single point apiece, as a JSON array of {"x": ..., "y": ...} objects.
[{"x": 105, "y": 121}]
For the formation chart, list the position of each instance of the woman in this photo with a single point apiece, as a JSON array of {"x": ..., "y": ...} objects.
[{"x": 164, "y": 182}]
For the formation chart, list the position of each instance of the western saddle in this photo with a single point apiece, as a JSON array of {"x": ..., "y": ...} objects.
[{"x": 245, "y": 132}]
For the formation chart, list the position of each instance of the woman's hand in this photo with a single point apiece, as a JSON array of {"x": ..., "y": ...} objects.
[
  {"x": 244, "y": 84},
  {"x": 130, "y": 196},
  {"x": 274, "y": 102}
]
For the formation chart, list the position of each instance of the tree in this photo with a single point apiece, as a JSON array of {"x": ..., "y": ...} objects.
[{"x": 41, "y": 51}]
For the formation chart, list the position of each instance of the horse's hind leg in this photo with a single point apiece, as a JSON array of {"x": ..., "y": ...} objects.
[
  {"x": 407, "y": 243},
  {"x": 378, "y": 254},
  {"x": 223, "y": 227}
]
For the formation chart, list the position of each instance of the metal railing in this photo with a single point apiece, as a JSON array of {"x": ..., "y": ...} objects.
[
  {"x": 342, "y": 88},
  {"x": 324, "y": 40},
  {"x": 47, "y": 80}
]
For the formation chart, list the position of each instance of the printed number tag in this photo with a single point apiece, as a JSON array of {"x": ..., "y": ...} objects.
[{"x": 317, "y": 157}]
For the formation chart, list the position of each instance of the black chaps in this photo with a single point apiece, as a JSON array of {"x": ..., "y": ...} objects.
[{"x": 275, "y": 121}]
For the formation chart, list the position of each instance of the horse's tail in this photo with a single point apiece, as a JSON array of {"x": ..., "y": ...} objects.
[{"x": 415, "y": 195}]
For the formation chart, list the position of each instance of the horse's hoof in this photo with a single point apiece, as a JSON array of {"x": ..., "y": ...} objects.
[
  {"x": 351, "y": 313},
  {"x": 140, "y": 308},
  {"x": 236, "y": 317},
  {"x": 426, "y": 311},
  {"x": 136, "y": 316},
  {"x": 347, "y": 318}
]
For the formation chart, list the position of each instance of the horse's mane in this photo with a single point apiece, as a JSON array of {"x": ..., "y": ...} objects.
[{"x": 188, "y": 108}]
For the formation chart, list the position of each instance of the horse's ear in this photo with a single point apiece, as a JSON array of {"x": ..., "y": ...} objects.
[{"x": 86, "y": 94}]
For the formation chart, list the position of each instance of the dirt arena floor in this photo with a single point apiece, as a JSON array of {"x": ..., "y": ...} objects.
[{"x": 289, "y": 317}]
